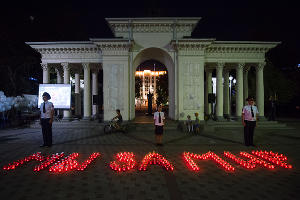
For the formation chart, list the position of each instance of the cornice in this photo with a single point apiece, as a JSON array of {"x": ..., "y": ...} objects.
[
  {"x": 160, "y": 25},
  {"x": 65, "y": 50},
  {"x": 240, "y": 47},
  {"x": 116, "y": 47}
]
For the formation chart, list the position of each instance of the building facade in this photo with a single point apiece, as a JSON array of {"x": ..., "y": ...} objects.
[
  {"x": 167, "y": 40},
  {"x": 148, "y": 80}
]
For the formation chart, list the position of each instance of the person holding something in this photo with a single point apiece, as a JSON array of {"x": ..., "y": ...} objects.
[
  {"x": 159, "y": 118},
  {"x": 249, "y": 120},
  {"x": 47, "y": 113}
]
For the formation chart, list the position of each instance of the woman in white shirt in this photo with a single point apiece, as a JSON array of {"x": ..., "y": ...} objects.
[
  {"x": 249, "y": 120},
  {"x": 159, "y": 118}
]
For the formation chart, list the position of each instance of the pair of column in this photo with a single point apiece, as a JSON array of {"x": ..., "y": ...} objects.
[
  {"x": 87, "y": 96},
  {"x": 222, "y": 107},
  {"x": 87, "y": 85}
]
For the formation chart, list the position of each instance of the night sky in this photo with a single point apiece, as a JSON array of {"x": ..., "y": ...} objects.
[{"x": 223, "y": 20}]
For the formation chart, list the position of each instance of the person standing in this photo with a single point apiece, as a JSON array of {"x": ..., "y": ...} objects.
[
  {"x": 150, "y": 96},
  {"x": 47, "y": 113},
  {"x": 159, "y": 118},
  {"x": 249, "y": 120},
  {"x": 273, "y": 105}
]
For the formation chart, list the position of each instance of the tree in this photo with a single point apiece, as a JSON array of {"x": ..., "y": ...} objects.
[
  {"x": 138, "y": 85},
  {"x": 162, "y": 90},
  {"x": 275, "y": 81},
  {"x": 18, "y": 63}
]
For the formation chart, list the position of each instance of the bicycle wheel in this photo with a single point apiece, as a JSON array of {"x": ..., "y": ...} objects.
[{"x": 107, "y": 129}]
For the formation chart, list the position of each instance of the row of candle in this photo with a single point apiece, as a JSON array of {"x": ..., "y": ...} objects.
[
  {"x": 155, "y": 159},
  {"x": 247, "y": 164},
  {"x": 256, "y": 160},
  {"x": 273, "y": 158},
  {"x": 36, "y": 156},
  {"x": 66, "y": 164},
  {"x": 48, "y": 161},
  {"x": 127, "y": 159},
  {"x": 86, "y": 163},
  {"x": 209, "y": 155}
]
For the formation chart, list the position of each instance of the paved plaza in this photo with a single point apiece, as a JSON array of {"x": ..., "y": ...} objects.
[{"x": 98, "y": 181}]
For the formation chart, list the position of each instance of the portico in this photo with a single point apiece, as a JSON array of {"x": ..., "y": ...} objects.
[{"x": 190, "y": 63}]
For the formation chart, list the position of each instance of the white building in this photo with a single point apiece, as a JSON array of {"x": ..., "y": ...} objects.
[{"x": 168, "y": 41}]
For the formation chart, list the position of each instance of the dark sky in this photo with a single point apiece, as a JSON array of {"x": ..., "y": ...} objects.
[{"x": 224, "y": 20}]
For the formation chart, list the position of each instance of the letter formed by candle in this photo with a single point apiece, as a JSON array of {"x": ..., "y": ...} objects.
[
  {"x": 275, "y": 158},
  {"x": 36, "y": 156},
  {"x": 69, "y": 163},
  {"x": 126, "y": 161},
  {"x": 188, "y": 158},
  {"x": 249, "y": 164},
  {"x": 155, "y": 159}
]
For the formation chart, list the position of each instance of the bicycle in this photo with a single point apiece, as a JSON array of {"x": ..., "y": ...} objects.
[{"x": 111, "y": 127}]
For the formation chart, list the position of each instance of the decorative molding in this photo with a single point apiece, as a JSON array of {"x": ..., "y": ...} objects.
[
  {"x": 232, "y": 49},
  {"x": 65, "y": 66},
  {"x": 246, "y": 69},
  {"x": 45, "y": 66},
  {"x": 220, "y": 65},
  {"x": 114, "y": 47},
  {"x": 86, "y": 66},
  {"x": 58, "y": 70},
  {"x": 152, "y": 27},
  {"x": 260, "y": 66},
  {"x": 240, "y": 66}
]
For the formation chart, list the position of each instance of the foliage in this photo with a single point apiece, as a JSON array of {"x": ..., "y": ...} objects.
[
  {"x": 138, "y": 85},
  {"x": 162, "y": 90},
  {"x": 277, "y": 82},
  {"x": 18, "y": 62}
]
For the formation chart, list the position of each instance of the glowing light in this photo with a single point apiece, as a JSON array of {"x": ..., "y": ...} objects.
[
  {"x": 155, "y": 159},
  {"x": 246, "y": 164},
  {"x": 86, "y": 163},
  {"x": 275, "y": 158},
  {"x": 65, "y": 164},
  {"x": 149, "y": 72},
  {"x": 209, "y": 155},
  {"x": 125, "y": 161},
  {"x": 126, "y": 158},
  {"x": 256, "y": 160},
  {"x": 48, "y": 161},
  {"x": 36, "y": 156}
]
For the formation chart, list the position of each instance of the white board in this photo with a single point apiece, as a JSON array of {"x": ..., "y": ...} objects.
[{"x": 60, "y": 95}]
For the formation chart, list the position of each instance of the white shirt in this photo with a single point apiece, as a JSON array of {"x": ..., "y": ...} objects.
[
  {"x": 49, "y": 107},
  {"x": 156, "y": 118},
  {"x": 247, "y": 112}
]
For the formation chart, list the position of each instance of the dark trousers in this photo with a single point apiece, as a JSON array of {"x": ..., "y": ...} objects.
[
  {"x": 47, "y": 131},
  {"x": 249, "y": 132}
]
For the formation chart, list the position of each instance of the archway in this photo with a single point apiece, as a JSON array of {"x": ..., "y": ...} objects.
[
  {"x": 151, "y": 80},
  {"x": 165, "y": 58}
]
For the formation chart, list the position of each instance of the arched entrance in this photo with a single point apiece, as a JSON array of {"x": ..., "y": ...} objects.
[{"x": 165, "y": 58}]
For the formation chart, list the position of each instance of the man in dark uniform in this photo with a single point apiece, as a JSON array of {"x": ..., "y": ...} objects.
[
  {"x": 249, "y": 120},
  {"x": 47, "y": 113}
]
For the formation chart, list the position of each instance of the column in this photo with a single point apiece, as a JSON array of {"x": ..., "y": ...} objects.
[
  {"x": 87, "y": 92},
  {"x": 208, "y": 90},
  {"x": 219, "y": 106},
  {"x": 66, "y": 67},
  {"x": 46, "y": 73},
  {"x": 77, "y": 93},
  {"x": 59, "y": 81},
  {"x": 226, "y": 93},
  {"x": 260, "y": 89},
  {"x": 58, "y": 75},
  {"x": 246, "y": 70},
  {"x": 239, "y": 90},
  {"x": 95, "y": 91}
]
